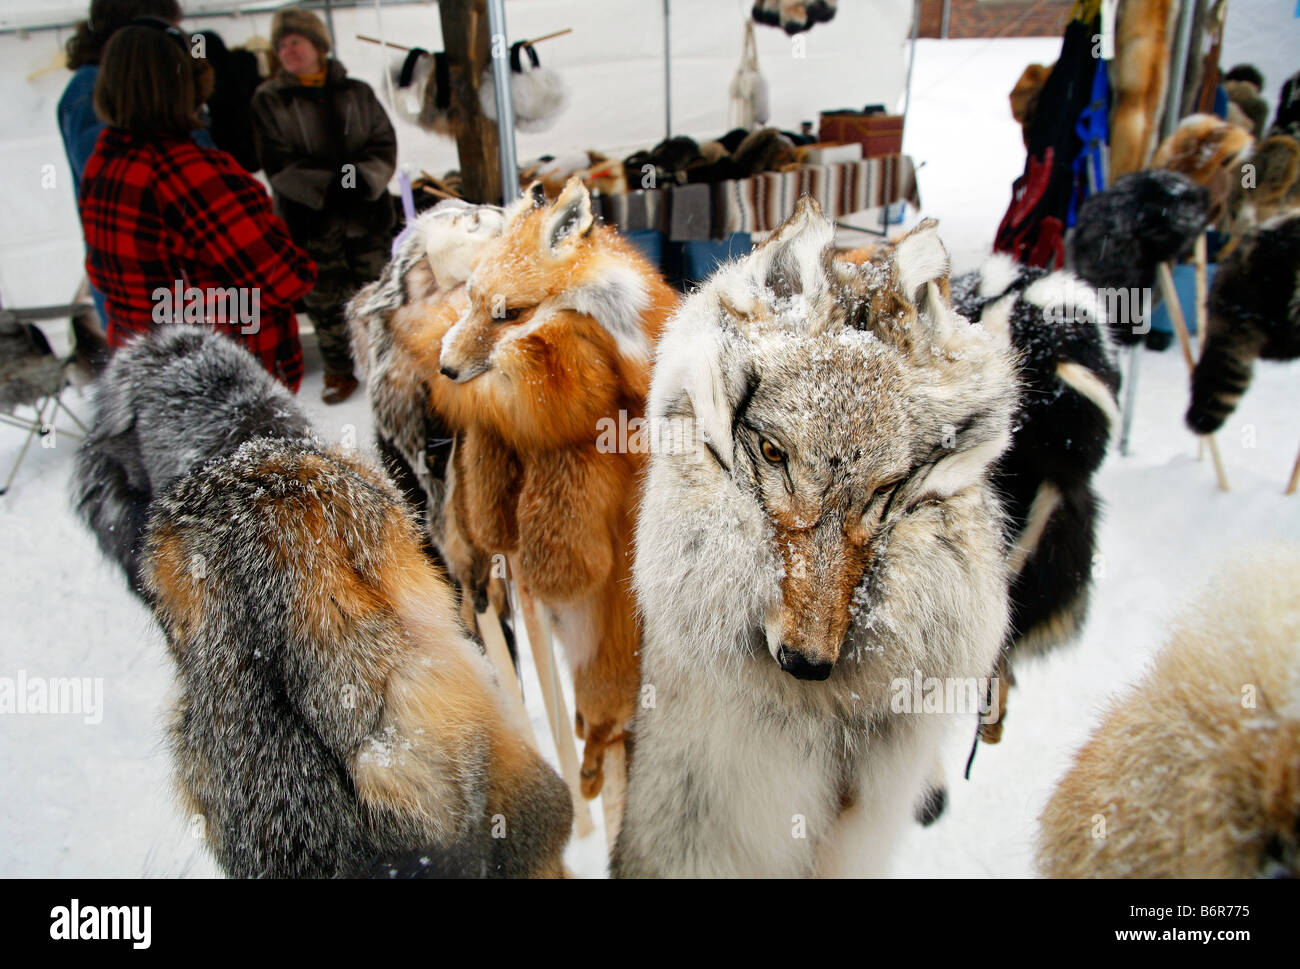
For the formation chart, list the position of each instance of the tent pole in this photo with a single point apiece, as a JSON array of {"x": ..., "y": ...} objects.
[
  {"x": 668, "y": 78},
  {"x": 505, "y": 105},
  {"x": 911, "y": 60},
  {"x": 329, "y": 23},
  {"x": 1178, "y": 71}
]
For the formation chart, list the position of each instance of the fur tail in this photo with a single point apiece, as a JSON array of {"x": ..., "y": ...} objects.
[{"x": 1222, "y": 375}]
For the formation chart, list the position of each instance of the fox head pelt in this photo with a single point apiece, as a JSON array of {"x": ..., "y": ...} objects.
[
  {"x": 833, "y": 401},
  {"x": 553, "y": 265}
]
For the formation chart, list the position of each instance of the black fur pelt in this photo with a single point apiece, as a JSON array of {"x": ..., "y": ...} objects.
[
  {"x": 1254, "y": 312},
  {"x": 1123, "y": 233},
  {"x": 168, "y": 402},
  {"x": 1060, "y": 433}
]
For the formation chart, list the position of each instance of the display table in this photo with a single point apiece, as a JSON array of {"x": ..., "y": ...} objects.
[{"x": 762, "y": 202}]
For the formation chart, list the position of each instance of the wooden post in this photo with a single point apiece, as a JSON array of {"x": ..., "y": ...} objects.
[
  {"x": 613, "y": 794},
  {"x": 557, "y": 712},
  {"x": 1166, "y": 278},
  {"x": 494, "y": 641},
  {"x": 1295, "y": 477},
  {"x": 467, "y": 42}
]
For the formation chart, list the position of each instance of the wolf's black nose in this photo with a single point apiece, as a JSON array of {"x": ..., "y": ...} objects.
[
  {"x": 798, "y": 666},
  {"x": 450, "y": 373}
]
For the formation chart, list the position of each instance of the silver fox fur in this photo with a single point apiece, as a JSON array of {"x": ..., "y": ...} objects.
[
  {"x": 333, "y": 718},
  {"x": 827, "y": 531},
  {"x": 166, "y": 403}
]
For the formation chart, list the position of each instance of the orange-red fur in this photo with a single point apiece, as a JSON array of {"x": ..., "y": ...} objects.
[
  {"x": 1139, "y": 77},
  {"x": 529, "y": 481}
]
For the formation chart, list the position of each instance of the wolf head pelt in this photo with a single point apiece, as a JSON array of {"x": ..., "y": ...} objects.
[
  {"x": 433, "y": 262},
  {"x": 167, "y": 402},
  {"x": 1069, "y": 379},
  {"x": 331, "y": 710},
  {"x": 817, "y": 522},
  {"x": 1254, "y": 312},
  {"x": 1195, "y": 771},
  {"x": 1125, "y": 232}
]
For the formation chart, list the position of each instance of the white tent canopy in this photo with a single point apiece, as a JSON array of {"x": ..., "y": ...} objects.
[{"x": 612, "y": 64}]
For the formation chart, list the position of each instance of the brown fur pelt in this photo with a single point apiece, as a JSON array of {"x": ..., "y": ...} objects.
[
  {"x": 1138, "y": 77},
  {"x": 1195, "y": 772},
  {"x": 1208, "y": 151},
  {"x": 1274, "y": 188},
  {"x": 1024, "y": 96}
]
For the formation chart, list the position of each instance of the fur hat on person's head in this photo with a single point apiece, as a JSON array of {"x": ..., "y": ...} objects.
[{"x": 304, "y": 23}]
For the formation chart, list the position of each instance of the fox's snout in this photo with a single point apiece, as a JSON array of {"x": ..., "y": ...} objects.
[
  {"x": 466, "y": 349},
  {"x": 822, "y": 568}
]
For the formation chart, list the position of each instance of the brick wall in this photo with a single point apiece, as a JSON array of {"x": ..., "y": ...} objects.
[{"x": 996, "y": 18}]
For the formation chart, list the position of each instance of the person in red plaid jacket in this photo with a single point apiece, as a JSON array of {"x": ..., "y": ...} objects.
[{"x": 176, "y": 232}]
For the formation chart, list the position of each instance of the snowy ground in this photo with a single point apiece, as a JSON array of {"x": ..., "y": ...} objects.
[{"x": 94, "y": 799}]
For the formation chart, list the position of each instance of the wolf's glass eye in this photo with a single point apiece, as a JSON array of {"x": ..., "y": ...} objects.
[
  {"x": 509, "y": 316},
  {"x": 771, "y": 452}
]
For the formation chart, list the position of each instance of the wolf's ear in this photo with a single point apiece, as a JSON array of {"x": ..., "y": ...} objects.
[
  {"x": 570, "y": 218},
  {"x": 792, "y": 260},
  {"x": 919, "y": 265}
]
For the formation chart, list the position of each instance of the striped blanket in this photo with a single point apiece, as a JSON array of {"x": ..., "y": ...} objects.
[{"x": 762, "y": 202}]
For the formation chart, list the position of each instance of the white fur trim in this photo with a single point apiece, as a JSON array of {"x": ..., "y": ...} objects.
[
  {"x": 997, "y": 274},
  {"x": 616, "y": 300}
]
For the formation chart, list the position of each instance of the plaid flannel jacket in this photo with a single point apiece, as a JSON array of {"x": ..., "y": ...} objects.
[{"x": 175, "y": 232}]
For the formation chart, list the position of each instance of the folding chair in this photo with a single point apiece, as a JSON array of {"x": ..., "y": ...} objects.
[{"x": 31, "y": 375}]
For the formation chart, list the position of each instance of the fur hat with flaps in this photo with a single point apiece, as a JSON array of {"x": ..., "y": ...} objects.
[{"x": 304, "y": 23}]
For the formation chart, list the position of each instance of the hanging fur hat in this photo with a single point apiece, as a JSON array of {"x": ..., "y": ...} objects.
[
  {"x": 749, "y": 101},
  {"x": 537, "y": 93},
  {"x": 793, "y": 16}
]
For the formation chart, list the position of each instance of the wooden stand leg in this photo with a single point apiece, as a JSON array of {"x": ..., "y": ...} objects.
[
  {"x": 1130, "y": 396},
  {"x": 1166, "y": 278},
  {"x": 557, "y": 713},
  {"x": 1202, "y": 291},
  {"x": 613, "y": 794},
  {"x": 1295, "y": 477},
  {"x": 489, "y": 625}
]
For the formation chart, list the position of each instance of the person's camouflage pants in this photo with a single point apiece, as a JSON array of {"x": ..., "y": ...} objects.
[{"x": 343, "y": 266}]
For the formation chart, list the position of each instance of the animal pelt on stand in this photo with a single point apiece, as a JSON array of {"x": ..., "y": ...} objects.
[
  {"x": 1195, "y": 772},
  {"x": 332, "y": 715},
  {"x": 1254, "y": 313},
  {"x": 1208, "y": 151},
  {"x": 1139, "y": 75},
  {"x": 1069, "y": 381},
  {"x": 1125, "y": 232},
  {"x": 823, "y": 529},
  {"x": 546, "y": 347},
  {"x": 141, "y": 440},
  {"x": 434, "y": 260}
]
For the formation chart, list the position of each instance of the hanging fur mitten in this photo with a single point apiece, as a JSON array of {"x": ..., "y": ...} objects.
[
  {"x": 422, "y": 92},
  {"x": 537, "y": 93},
  {"x": 749, "y": 102}
]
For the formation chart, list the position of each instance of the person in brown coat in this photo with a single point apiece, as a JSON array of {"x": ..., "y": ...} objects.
[{"x": 329, "y": 151}]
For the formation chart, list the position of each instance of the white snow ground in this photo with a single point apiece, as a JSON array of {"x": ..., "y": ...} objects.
[{"x": 94, "y": 800}]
